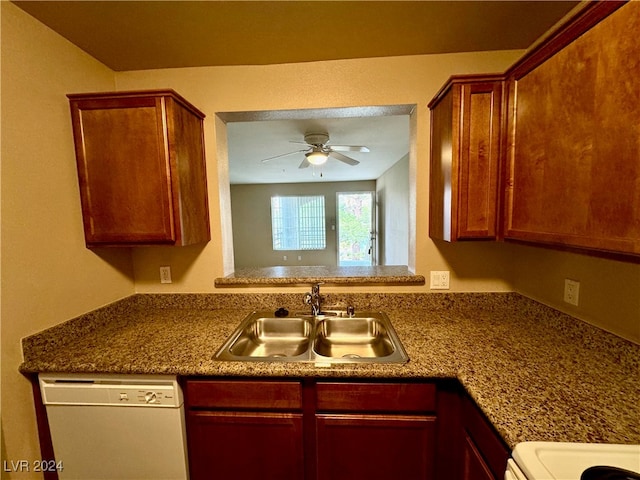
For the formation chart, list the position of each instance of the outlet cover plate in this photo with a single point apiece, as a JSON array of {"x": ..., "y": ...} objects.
[
  {"x": 439, "y": 280},
  {"x": 165, "y": 274},
  {"x": 571, "y": 291}
]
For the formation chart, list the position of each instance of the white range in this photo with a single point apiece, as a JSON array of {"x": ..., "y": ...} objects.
[{"x": 568, "y": 461}]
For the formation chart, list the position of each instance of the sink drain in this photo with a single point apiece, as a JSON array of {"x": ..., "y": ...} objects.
[
  {"x": 277, "y": 355},
  {"x": 351, "y": 355}
]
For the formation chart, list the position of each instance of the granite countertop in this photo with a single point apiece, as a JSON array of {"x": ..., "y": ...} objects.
[
  {"x": 301, "y": 275},
  {"x": 536, "y": 373}
]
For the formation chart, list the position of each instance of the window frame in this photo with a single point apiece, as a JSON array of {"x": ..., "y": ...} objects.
[{"x": 298, "y": 243}]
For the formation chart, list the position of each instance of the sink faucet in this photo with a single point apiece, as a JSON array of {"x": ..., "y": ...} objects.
[{"x": 314, "y": 299}]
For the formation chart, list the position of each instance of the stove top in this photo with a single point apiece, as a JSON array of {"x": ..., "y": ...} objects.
[
  {"x": 608, "y": 473},
  {"x": 569, "y": 461}
]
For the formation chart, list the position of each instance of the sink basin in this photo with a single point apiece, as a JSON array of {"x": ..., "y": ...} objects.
[
  {"x": 270, "y": 337},
  {"x": 352, "y": 338},
  {"x": 331, "y": 337}
]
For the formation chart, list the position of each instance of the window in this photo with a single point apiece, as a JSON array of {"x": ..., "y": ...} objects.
[{"x": 297, "y": 222}]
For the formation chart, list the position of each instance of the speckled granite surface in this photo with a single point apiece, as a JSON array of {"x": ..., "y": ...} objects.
[
  {"x": 536, "y": 373},
  {"x": 298, "y": 275}
]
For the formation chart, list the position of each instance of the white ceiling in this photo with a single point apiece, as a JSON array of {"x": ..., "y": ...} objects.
[
  {"x": 134, "y": 35},
  {"x": 386, "y": 135}
]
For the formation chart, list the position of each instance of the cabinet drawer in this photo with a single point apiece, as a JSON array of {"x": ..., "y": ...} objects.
[
  {"x": 376, "y": 397},
  {"x": 239, "y": 394}
]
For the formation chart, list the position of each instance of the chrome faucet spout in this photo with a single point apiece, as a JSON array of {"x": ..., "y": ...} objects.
[{"x": 314, "y": 299}]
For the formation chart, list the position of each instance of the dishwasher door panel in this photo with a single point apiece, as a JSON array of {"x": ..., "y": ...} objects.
[{"x": 98, "y": 442}]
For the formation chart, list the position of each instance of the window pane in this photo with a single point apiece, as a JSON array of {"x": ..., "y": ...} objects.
[
  {"x": 355, "y": 228},
  {"x": 297, "y": 223}
]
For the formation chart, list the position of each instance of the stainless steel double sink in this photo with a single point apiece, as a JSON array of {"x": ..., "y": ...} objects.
[{"x": 333, "y": 336}]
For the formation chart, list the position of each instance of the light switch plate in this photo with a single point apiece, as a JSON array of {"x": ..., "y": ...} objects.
[{"x": 439, "y": 280}]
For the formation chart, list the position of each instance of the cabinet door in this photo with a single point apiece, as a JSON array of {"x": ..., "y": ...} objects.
[
  {"x": 245, "y": 445},
  {"x": 124, "y": 170},
  {"x": 465, "y": 155},
  {"x": 141, "y": 168},
  {"x": 189, "y": 189},
  {"x": 353, "y": 447},
  {"x": 474, "y": 466},
  {"x": 483, "y": 448},
  {"x": 479, "y": 158},
  {"x": 574, "y": 156}
]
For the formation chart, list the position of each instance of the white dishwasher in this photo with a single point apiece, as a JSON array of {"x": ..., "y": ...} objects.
[{"x": 109, "y": 427}]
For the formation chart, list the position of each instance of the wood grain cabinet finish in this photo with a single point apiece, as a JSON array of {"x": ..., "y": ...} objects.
[
  {"x": 141, "y": 168},
  {"x": 354, "y": 446},
  {"x": 484, "y": 453},
  {"x": 274, "y": 395},
  {"x": 375, "y": 430},
  {"x": 375, "y": 397},
  {"x": 310, "y": 429},
  {"x": 245, "y": 445},
  {"x": 474, "y": 467},
  {"x": 573, "y": 157},
  {"x": 243, "y": 429},
  {"x": 465, "y": 155}
]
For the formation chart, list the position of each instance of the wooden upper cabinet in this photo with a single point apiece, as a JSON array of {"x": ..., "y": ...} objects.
[
  {"x": 141, "y": 168},
  {"x": 573, "y": 157},
  {"x": 465, "y": 156}
]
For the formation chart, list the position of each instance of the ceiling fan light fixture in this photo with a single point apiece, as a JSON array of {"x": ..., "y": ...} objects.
[{"x": 317, "y": 158}]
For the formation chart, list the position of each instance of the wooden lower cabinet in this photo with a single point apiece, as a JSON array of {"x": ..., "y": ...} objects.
[
  {"x": 368, "y": 430},
  {"x": 485, "y": 454},
  {"x": 474, "y": 466},
  {"x": 314, "y": 429},
  {"x": 244, "y": 429},
  {"x": 245, "y": 445},
  {"x": 353, "y": 447}
]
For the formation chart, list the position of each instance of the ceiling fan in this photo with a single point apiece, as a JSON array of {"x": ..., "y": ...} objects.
[{"x": 318, "y": 151}]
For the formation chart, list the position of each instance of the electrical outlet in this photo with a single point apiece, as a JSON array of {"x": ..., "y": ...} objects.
[
  {"x": 284, "y": 257},
  {"x": 439, "y": 280},
  {"x": 165, "y": 274},
  {"x": 571, "y": 291}
]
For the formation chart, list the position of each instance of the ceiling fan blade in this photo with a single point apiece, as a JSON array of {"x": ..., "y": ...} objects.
[
  {"x": 283, "y": 155},
  {"x": 349, "y": 148},
  {"x": 343, "y": 158},
  {"x": 305, "y": 164}
]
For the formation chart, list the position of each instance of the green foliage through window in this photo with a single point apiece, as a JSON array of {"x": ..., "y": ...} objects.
[{"x": 355, "y": 214}]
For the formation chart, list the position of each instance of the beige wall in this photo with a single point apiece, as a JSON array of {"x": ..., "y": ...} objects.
[
  {"x": 48, "y": 276},
  {"x": 361, "y": 82},
  {"x": 392, "y": 191},
  {"x": 609, "y": 290},
  {"x": 251, "y": 210}
]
